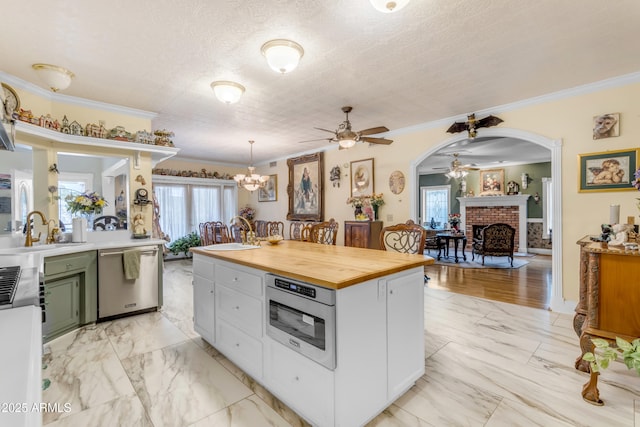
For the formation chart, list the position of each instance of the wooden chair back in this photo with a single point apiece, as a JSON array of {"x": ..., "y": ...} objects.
[
  {"x": 213, "y": 233},
  {"x": 260, "y": 228},
  {"x": 300, "y": 230},
  {"x": 275, "y": 228},
  {"x": 406, "y": 238},
  {"x": 324, "y": 233}
]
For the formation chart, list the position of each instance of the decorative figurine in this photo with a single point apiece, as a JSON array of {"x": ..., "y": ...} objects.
[
  {"x": 163, "y": 138},
  {"x": 138, "y": 225}
]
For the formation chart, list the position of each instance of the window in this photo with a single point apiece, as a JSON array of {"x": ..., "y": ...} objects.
[
  {"x": 71, "y": 184},
  {"x": 435, "y": 204},
  {"x": 547, "y": 208},
  {"x": 183, "y": 206}
]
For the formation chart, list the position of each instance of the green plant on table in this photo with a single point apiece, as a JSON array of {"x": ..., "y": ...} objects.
[
  {"x": 184, "y": 243},
  {"x": 599, "y": 360}
]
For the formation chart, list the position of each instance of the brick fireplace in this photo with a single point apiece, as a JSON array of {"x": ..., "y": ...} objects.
[{"x": 487, "y": 210}]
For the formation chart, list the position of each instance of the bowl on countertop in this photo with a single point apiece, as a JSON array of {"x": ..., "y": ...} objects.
[{"x": 275, "y": 239}]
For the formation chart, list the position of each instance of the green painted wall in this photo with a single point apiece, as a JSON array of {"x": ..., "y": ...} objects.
[{"x": 536, "y": 172}]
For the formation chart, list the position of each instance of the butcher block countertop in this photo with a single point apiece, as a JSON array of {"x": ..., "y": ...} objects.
[{"x": 330, "y": 266}]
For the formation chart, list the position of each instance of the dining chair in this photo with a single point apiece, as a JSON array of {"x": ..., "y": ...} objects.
[
  {"x": 408, "y": 238},
  {"x": 275, "y": 228},
  {"x": 324, "y": 233},
  {"x": 299, "y": 230},
  {"x": 213, "y": 233}
]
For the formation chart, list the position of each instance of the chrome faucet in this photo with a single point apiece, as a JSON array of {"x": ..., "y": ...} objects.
[
  {"x": 248, "y": 237},
  {"x": 30, "y": 239}
]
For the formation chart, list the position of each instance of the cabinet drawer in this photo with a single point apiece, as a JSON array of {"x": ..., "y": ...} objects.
[
  {"x": 292, "y": 375},
  {"x": 240, "y": 348},
  {"x": 239, "y": 309},
  {"x": 203, "y": 266},
  {"x": 239, "y": 280},
  {"x": 64, "y": 263}
]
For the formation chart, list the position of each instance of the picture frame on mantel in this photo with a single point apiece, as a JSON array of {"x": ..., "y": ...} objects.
[
  {"x": 306, "y": 188},
  {"x": 270, "y": 191},
  {"x": 607, "y": 170},
  {"x": 492, "y": 182},
  {"x": 362, "y": 177}
]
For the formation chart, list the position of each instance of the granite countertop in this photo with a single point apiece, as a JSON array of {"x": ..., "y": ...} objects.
[{"x": 330, "y": 266}]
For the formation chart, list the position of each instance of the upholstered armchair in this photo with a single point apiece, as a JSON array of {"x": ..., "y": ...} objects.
[{"x": 495, "y": 240}]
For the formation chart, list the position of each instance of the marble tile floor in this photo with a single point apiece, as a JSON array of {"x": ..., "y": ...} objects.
[{"x": 487, "y": 364}]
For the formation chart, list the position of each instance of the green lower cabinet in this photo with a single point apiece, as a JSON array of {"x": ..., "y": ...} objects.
[{"x": 62, "y": 302}]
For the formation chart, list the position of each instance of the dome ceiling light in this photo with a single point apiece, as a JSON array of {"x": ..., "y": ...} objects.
[
  {"x": 387, "y": 6},
  {"x": 282, "y": 55},
  {"x": 56, "y": 78},
  {"x": 227, "y": 92}
]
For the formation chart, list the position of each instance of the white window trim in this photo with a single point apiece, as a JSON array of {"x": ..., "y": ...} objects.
[{"x": 423, "y": 197}]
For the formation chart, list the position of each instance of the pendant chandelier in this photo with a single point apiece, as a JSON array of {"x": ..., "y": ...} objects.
[{"x": 251, "y": 181}]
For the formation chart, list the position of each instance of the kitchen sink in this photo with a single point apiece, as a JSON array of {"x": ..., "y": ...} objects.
[{"x": 229, "y": 247}]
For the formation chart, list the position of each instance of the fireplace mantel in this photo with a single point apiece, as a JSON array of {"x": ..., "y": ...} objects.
[{"x": 519, "y": 200}]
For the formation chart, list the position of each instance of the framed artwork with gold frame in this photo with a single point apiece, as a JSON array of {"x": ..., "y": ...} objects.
[
  {"x": 362, "y": 177},
  {"x": 492, "y": 182},
  {"x": 607, "y": 170},
  {"x": 306, "y": 186}
]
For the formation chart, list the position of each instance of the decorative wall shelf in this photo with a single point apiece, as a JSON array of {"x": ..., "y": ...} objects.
[{"x": 28, "y": 132}]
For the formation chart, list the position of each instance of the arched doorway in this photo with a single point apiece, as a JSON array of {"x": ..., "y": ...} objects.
[{"x": 555, "y": 147}]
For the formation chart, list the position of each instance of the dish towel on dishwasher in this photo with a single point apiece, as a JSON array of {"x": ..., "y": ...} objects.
[{"x": 131, "y": 264}]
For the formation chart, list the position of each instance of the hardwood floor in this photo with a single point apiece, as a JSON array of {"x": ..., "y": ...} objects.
[{"x": 529, "y": 285}]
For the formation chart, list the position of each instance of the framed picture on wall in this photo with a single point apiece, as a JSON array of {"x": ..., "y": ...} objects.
[
  {"x": 362, "y": 177},
  {"x": 492, "y": 182},
  {"x": 270, "y": 191},
  {"x": 607, "y": 170},
  {"x": 606, "y": 125},
  {"x": 305, "y": 189}
]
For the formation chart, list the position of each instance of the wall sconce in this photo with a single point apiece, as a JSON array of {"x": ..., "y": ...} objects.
[
  {"x": 536, "y": 198},
  {"x": 525, "y": 180}
]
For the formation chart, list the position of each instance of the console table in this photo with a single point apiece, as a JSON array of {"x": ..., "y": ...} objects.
[{"x": 609, "y": 300}]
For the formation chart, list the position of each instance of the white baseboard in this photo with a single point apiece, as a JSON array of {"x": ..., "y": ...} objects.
[{"x": 540, "y": 251}]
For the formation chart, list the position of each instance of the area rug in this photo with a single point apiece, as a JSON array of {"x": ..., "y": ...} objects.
[{"x": 489, "y": 261}]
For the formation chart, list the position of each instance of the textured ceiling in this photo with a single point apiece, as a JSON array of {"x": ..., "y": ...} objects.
[{"x": 434, "y": 59}]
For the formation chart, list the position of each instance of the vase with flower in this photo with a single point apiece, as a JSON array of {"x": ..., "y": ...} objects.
[
  {"x": 87, "y": 205},
  {"x": 357, "y": 202},
  {"x": 376, "y": 201}
]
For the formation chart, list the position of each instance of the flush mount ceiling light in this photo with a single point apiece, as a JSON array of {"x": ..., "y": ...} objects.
[
  {"x": 282, "y": 55},
  {"x": 56, "y": 78},
  {"x": 227, "y": 92},
  {"x": 251, "y": 181},
  {"x": 387, "y": 6}
]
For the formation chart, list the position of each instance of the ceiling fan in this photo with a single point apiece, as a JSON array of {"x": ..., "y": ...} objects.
[
  {"x": 457, "y": 169},
  {"x": 347, "y": 138}
]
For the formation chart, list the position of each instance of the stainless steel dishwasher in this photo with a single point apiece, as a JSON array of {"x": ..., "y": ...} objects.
[{"x": 118, "y": 295}]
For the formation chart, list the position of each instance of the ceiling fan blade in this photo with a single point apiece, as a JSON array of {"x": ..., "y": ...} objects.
[
  {"x": 373, "y": 131},
  {"x": 319, "y": 139},
  {"x": 327, "y": 130},
  {"x": 376, "y": 140}
]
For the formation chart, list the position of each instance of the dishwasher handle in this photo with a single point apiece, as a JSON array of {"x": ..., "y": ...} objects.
[{"x": 144, "y": 252}]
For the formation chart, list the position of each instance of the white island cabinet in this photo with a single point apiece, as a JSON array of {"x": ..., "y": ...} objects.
[{"x": 379, "y": 329}]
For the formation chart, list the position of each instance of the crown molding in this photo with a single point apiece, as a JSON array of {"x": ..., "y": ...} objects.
[{"x": 72, "y": 100}]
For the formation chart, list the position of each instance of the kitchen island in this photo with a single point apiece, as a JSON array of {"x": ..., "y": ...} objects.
[{"x": 377, "y": 335}]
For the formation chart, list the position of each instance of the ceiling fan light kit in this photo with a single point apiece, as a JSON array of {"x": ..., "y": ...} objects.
[
  {"x": 227, "y": 91},
  {"x": 347, "y": 138},
  {"x": 282, "y": 55},
  {"x": 387, "y": 6},
  {"x": 56, "y": 78},
  {"x": 251, "y": 181}
]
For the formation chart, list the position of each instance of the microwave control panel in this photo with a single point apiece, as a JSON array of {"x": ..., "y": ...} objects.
[{"x": 295, "y": 288}]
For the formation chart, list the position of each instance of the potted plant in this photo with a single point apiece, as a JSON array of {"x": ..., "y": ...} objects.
[
  {"x": 184, "y": 243},
  {"x": 601, "y": 359}
]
